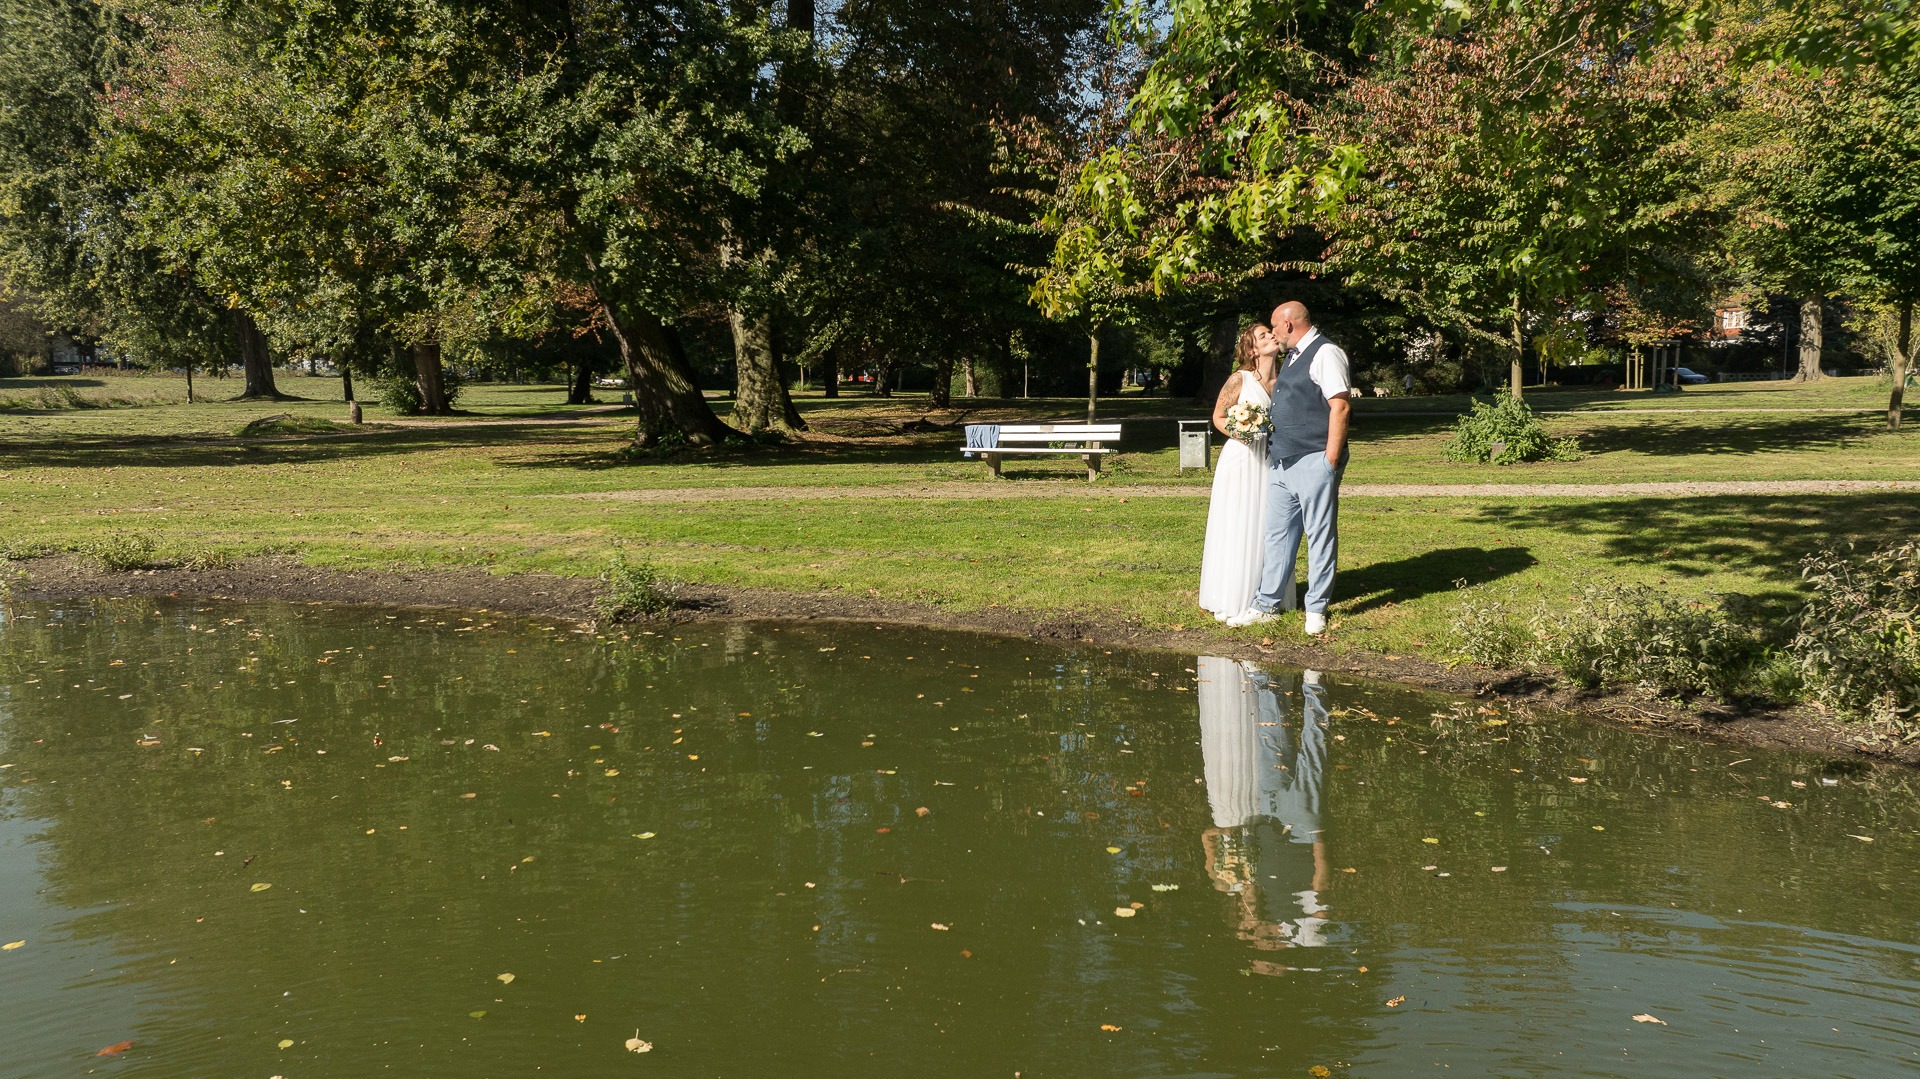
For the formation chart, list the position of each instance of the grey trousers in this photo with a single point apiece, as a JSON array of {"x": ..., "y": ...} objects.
[{"x": 1303, "y": 500}]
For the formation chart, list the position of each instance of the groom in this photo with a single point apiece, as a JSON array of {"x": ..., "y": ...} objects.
[{"x": 1306, "y": 454}]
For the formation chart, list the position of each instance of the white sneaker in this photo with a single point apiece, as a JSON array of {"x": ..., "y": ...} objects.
[
  {"x": 1252, "y": 616},
  {"x": 1316, "y": 623}
]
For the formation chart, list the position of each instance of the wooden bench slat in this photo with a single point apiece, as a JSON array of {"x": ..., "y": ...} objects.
[{"x": 1076, "y": 452}]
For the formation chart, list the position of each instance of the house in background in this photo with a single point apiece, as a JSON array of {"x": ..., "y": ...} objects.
[{"x": 1729, "y": 322}]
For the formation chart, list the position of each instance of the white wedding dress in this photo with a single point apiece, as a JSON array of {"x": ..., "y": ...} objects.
[{"x": 1230, "y": 564}]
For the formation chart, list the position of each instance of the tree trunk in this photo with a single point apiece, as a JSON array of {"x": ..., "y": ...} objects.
[
  {"x": 760, "y": 398},
  {"x": 346, "y": 383},
  {"x": 1514, "y": 375},
  {"x": 1810, "y": 340},
  {"x": 830, "y": 371},
  {"x": 254, "y": 359},
  {"x": 1902, "y": 363},
  {"x": 943, "y": 380},
  {"x": 427, "y": 378},
  {"x": 189, "y": 382},
  {"x": 1093, "y": 371},
  {"x": 580, "y": 387},
  {"x": 1219, "y": 361},
  {"x": 971, "y": 386}
]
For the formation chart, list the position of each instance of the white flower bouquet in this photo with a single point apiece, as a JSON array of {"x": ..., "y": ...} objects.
[{"x": 1248, "y": 422}]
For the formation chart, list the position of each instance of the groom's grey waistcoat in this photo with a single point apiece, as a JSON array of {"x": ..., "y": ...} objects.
[{"x": 1300, "y": 413}]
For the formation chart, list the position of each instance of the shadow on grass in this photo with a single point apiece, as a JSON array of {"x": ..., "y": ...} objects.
[
  {"x": 1684, "y": 436},
  {"x": 214, "y": 451},
  {"x": 1696, "y": 537},
  {"x": 1385, "y": 583}
]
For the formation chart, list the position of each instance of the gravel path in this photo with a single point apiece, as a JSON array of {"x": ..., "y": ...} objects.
[{"x": 1076, "y": 489}]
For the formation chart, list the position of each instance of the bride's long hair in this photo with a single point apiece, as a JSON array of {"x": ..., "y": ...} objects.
[{"x": 1243, "y": 348}]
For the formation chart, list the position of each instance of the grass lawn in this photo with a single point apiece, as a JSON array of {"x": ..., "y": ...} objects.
[{"x": 502, "y": 492}]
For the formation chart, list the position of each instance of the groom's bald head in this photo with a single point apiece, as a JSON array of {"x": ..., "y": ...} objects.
[{"x": 1291, "y": 322}]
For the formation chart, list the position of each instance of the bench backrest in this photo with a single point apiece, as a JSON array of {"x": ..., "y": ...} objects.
[{"x": 1060, "y": 432}]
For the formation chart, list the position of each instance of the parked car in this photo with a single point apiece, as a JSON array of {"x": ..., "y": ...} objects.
[
  {"x": 66, "y": 368},
  {"x": 1688, "y": 376}
]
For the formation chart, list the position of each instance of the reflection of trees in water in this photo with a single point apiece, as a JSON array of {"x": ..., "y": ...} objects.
[
  {"x": 1045, "y": 765},
  {"x": 406, "y": 923}
]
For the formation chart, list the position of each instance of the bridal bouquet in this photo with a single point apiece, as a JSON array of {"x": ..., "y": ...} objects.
[{"x": 1248, "y": 422}]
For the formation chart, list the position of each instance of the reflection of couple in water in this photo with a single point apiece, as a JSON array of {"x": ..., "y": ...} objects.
[{"x": 1264, "y": 763}]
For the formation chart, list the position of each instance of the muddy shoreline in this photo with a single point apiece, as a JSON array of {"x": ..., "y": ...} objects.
[{"x": 286, "y": 579}]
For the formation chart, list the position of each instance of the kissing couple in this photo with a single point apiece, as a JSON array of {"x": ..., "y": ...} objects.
[{"x": 1284, "y": 411}]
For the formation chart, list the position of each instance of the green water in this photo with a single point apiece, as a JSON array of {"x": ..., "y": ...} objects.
[{"x": 712, "y": 840}]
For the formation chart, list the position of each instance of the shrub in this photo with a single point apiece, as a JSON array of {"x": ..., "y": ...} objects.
[
  {"x": 1636, "y": 636},
  {"x": 400, "y": 394},
  {"x": 1855, "y": 644},
  {"x": 1506, "y": 432},
  {"x": 1611, "y": 635},
  {"x": 121, "y": 551},
  {"x": 17, "y": 550},
  {"x": 634, "y": 590},
  {"x": 1486, "y": 632}
]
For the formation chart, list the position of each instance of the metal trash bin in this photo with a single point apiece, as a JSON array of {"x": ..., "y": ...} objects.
[{"x": 1196, "y": 444}]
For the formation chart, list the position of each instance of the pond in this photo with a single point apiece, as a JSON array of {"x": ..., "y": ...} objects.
[{"x": 275, "y": 840}]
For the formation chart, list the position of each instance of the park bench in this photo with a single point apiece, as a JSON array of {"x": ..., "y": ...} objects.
[{"x": 1029, "y": 439}]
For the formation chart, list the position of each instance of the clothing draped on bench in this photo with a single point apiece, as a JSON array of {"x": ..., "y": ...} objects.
[{"x": 982, "y": 436}]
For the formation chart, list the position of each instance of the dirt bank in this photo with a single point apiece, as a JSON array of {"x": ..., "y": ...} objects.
[{"x": 65, "y": 578}]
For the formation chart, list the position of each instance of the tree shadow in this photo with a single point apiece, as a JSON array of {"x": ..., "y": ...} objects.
[
  {"x": 201, "y": 451},
  {"x": 1684, "y": 436},
  {"x": 1385, "y": 583},
  {"x": 1766, "y": 536}
]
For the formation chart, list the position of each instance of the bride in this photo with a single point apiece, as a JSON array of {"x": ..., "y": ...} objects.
[{"x": 1230, "y": 565}]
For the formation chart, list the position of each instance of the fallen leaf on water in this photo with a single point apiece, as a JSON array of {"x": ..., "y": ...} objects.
[
  {"x": 1577, "y": 779},
  {"x": 1599, "y": 827},
  {"x": 1499, "y": 869},
  {"x": 1643, "y": 1017},
  {"x": 581, "y": 1018},
  {"x": 941, "y": 926},
  {"x": 1176, "y": 887},
  {"x": 286, "y": 1043},
  {"x": 1319, "y": 1071},
  {"x": 1850, "y": 835},
  {"x": 1783, "y": 805},
  {"x": 476, "y": 1015},
  {"x": 922, "y": 811},
  {"x": 470, "y": 794},
  {"x": 1396, "y": 1002},
  {"x": 115, "y": 1049},
  {"x": 543, "y": 734},
  {"x": 1362, "y": 970},
  {"x": 12, "y": 944},
  {"x": 1430, "y": 839},
  {"x": 1124, "y": 912},
  {"x": 261, "y": 887},
  {"x": 882, "y": 831},
  {"x": 613, "y": 771},
  {"x": 635, "y": 1045},
  {"x": 505, "y": 979},
  {"x": 643, "y": 835},
  {"x": 1113, "y": 850},
  {"x": 965, "y": 954},
  {"x": 1109, "y": 1027}
]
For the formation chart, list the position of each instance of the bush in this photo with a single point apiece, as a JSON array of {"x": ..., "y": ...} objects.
[
  {"x": 1622, "y": 636},
  {"x": 634, "y": 590},
  {"x": 17, "y": 550},
  {"x": 1486, "y": 632},
  {"x": 400, "y": 394},
  {"x": 1506, "y": 432},
  {"x": 121, "y": 551},
  {"x": 1636, "y": 636},
  {"x": 1855, "y": 646}
]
